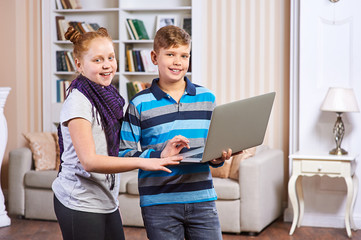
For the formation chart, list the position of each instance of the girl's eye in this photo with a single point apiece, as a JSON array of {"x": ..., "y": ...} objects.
[
  {"x": 185, "y": 56},
  {"x": 111, "y": 58},
  {"x": 170, "y": 54},
  {"x": 97, "y": 60}
]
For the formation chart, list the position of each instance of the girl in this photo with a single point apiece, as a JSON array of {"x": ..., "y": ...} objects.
[{"x": 87, "y": 186}]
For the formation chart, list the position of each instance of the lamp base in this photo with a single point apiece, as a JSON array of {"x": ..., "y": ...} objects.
[{"x": 338, "y": 151}]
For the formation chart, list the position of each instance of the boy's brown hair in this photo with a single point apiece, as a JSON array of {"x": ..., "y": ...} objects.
[{"x": 170, "y": 36}]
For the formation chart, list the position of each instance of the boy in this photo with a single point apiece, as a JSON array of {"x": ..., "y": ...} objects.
[{"x": 180, "y": 204}]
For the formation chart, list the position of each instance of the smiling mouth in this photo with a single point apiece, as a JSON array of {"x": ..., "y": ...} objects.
[
  {"x": 106, "y": 74},
  {"x": 176, "y": 70}
]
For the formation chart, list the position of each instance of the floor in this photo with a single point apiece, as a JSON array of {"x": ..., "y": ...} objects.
[{"x": 22, "y": 229}]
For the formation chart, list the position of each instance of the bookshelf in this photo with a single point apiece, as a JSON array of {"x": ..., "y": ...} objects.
[{"x": 111, "y": 14}]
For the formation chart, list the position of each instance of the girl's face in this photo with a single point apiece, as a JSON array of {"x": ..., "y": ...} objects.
[
  {"x": 172, "y": 63},
  {"x": 98, "y": 64}
]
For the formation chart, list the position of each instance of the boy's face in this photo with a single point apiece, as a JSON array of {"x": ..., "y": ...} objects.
[{"x": 172, "y": 63}]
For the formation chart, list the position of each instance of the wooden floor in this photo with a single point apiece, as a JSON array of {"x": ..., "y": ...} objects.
[{"x": 21, "y": 229}]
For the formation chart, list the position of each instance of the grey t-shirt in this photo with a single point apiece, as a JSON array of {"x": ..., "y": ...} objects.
[{"x": 76, "y": 188}]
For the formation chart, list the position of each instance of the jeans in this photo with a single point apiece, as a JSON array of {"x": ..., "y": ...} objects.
[
  {"x": 77, "y": 225},
  {"x": 190, "y": 221}
]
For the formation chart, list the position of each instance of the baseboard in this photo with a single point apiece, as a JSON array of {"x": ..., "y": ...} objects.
[{"x": 321, "y": 220}]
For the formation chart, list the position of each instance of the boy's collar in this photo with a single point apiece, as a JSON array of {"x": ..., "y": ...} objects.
[{"x": 159, "y": 94}]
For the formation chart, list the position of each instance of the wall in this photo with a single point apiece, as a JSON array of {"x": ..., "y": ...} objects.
[
  {"x": 326, "y": 53},
  {"x": 20, "y": 66},
  {"x": 246, "y": 53}
]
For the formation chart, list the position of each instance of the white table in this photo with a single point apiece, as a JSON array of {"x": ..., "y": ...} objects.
[{"x": 306, "y": 164}]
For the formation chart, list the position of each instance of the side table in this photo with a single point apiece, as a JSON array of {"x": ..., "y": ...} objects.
[{"x": 306, "y": 164}]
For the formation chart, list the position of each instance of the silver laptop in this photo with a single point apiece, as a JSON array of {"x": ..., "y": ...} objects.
[{"x": 237, "y": 125}]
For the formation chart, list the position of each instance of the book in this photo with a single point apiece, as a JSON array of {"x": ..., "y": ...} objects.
[
  {"x": 130, "y": 32},
  {"x": 59, "y": 33},
  {"x": 95, "y": 26},
  {"x": 147, "y": 61},
  {"x": 64, "y": 25},
  {"x": 130, "y": 90},
  {"x": 58, "y": 4},
  {"x": 132, "y": 27},
  {"x": 130, "y": 60},
  {"x": 140, "y": 29},
  {"x": 71, "y": 60},
  {"x": 59, "y": 64},
  {"x": 139, "y": 67}
]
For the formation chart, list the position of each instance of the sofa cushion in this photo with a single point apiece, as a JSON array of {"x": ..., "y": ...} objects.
[
  {"x": 40, "y": 179},
  {"x": 125, "y": 177},
  {"x": 223, "y": 171},
  {"x": 234, "y": 171},
  {"x": 132, "y": 186},
  {"x": 43, "y": 147},
  {"x": 226, "y": 189}
]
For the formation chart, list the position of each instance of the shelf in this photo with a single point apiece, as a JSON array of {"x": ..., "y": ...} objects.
[
  {"x": 68, "y": 42},
  {"x": 137, "y": 41},
  {"x": 65, "y": 11},
  {"x": 150, "y": 9}
]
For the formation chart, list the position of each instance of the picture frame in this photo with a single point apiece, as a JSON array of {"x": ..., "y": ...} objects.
[
  {"x": 165, "y": 20},
  {"x": 186, "y": 24}
]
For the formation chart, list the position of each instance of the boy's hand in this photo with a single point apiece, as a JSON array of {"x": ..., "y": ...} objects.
[
  {"x": 174, "y": 146},
  {"x": 225, "y": 156}
]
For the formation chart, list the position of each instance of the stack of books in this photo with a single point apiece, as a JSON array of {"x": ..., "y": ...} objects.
[
  {"x": 136, "y": 29},
  {"x": 62, "y": 26},
  {"x": 65, "y": 61},
  {"x": 139, "y": 61},
  {"x": 135, "y": 87}
]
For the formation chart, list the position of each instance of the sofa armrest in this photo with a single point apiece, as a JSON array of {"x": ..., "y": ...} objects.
[
  {"x": 20, "y": 162},
  {"x": 261, "y": 189}
]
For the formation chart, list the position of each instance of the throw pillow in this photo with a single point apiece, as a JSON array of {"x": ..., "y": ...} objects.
[
  {"x": 234, "y": 170},
  {"x": 42, "y": 145},
  {"x": 57, "y": 148},
  {"x": 222, "y": 172}
]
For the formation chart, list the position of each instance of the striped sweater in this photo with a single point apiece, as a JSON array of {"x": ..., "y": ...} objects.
[{"x": 152, "y": 119}]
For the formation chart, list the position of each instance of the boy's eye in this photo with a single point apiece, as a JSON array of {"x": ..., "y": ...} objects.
[
  {"x": 170, "y": 54},
  {"x": 111, "y": 58},
  {"x": 185, "y": 56},
  {"x": 97, "y": 60}
]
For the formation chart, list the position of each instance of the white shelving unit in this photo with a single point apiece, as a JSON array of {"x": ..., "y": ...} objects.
[{"x": 110, "y": 14}]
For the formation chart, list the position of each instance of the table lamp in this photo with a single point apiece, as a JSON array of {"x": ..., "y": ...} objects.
[{"x": 339, "y": 100}]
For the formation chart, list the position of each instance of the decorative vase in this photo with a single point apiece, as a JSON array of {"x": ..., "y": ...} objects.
[{"x": 4, "y": 92}]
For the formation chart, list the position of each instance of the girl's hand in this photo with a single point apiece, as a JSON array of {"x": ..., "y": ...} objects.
[{"x": 158, "y": 164}]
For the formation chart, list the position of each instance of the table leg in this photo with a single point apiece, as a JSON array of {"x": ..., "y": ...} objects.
[
  {"x": 355, "y": 191},
  {"x": 349, "y": 184},
  {"x": 293, "y": 198},
  {"x": 301, "y": 201}
]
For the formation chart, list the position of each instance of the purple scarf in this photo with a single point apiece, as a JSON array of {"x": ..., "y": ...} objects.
[{"x": 109, "y": 104}]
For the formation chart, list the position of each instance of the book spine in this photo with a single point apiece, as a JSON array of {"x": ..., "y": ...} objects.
[
  {"x": 130, "y": 60},
  {"x": 130, "y": 32},
  {"x": 133, "y": 29},
  {"x": 140, "y": 29}
]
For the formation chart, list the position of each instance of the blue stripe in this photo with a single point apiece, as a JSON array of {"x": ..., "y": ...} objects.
[
  {"x": 183, "y": 197},
  {"x": 129, "y": 136}
]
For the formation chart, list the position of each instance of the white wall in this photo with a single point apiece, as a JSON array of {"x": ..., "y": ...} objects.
[{"x": 328, "y": 49}]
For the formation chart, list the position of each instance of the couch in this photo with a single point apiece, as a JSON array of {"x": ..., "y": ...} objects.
[{"x": 246, "y": 205}]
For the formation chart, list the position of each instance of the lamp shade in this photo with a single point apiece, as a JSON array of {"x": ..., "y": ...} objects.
[{"x": 340, "y": 100}]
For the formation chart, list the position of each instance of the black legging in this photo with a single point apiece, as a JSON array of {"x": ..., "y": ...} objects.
[{"x": 77, "y": 225}]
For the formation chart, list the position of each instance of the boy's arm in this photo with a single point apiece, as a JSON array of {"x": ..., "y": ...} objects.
[{"x": 130, "y": 135}]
